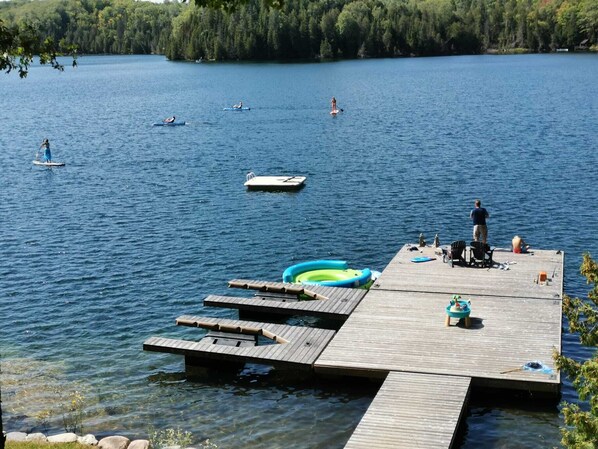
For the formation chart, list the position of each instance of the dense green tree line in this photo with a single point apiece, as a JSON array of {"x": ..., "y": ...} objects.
[
  {"x": 310, "y": 29},
  {"x": 97, "y": 26}
]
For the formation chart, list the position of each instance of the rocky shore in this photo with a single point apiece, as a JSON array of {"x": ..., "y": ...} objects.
[{"x": 112, "y": 442}]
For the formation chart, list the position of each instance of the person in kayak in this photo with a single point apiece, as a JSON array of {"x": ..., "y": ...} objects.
[
  {"x": 169, "y": 119},
  {"x": 238, "y": 106},
  {"x": 47, "y": 153}
]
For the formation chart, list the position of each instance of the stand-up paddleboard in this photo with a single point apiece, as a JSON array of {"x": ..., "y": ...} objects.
[
  {"x": 170, "y": 124},
  {"x": 49, "y": 164},
  {"x": 244, "y": 108},
  {"x": 336, "y": 111}
]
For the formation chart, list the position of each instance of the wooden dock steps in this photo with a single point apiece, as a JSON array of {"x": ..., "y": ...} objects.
[
  {"x": 290, "y": 346},
  {"x": 412, "y": 411},
  {"x": 290, "y": 299}
]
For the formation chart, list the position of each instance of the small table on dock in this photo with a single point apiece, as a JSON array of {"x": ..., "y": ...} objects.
[{"x": 463, "y": 312}]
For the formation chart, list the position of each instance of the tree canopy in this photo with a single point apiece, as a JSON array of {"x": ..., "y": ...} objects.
[
  {"x": 581, "y": 423},
  {"x": 301, "y": 29},
  {"x": 20, "y": 44}
]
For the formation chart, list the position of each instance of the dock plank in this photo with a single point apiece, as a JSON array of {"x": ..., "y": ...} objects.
[{"x": 413, "y": 410}]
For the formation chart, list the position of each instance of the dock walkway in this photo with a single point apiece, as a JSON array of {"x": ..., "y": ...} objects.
[{"x": 411, "y": 411}]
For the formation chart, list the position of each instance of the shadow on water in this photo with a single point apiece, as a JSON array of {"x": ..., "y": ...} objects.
[
  {"x": 257, "y": 377},
  {"x": 264, "y": 376},
  {"x": 491, "y": 412}
]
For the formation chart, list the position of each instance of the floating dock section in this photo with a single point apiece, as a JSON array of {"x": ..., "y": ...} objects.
[
  {"x": 288, "y": 346},
  {"x": 274, "y": 183},
  {"x": 280, "y": 298}
]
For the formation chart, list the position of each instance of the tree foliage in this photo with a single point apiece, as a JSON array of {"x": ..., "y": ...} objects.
[
  {"x": 19, "y": 44},
  {"x": 581, "y": 429},
  {"x": 304, "y": 29}
]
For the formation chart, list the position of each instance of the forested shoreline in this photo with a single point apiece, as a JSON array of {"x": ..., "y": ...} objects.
[{"x": 304, "y": 29}]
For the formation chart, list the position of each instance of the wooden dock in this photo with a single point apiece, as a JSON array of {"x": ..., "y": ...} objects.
[
  {"x": 515, "y": 321},
  {"x": 291, "y": 346},
  {"x": 411, "y": 411},
  {"x": 398, "y": 331},
  {"x": 289, "y": 299}
]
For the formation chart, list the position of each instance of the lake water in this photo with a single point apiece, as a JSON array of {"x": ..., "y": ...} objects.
[{"x": 144, "y": 222}]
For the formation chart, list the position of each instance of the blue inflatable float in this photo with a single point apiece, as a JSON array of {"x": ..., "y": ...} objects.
[{"x": 330, "y": 273}]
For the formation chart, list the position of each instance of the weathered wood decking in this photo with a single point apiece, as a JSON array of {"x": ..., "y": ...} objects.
[
  {"x": 398, "y": 327},
  {"x": 329, "y": 302},
  {"x": 299, "y": 347},
  {"x": 413, "y": 411},
  {"x": 398, "y": 330},
  {"x": 437, "y": 277}
]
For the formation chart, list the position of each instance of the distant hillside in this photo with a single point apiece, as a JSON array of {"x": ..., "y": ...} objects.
[{"x": 304, "y": 29}]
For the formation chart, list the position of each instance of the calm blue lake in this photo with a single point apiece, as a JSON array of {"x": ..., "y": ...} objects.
[{"x": 144, "y": 222}]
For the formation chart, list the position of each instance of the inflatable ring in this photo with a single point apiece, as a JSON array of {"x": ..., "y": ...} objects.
[{"x": 330, "y": 273}]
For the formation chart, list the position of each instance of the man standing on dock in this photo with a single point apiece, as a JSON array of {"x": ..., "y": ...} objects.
[{"x": 479, "y": 215}]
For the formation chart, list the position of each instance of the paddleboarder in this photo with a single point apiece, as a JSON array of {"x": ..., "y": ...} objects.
[{"x": 47, "y": 153}]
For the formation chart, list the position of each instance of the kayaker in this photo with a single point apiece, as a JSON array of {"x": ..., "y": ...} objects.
[
  {"x": 238, "y": 106},
  {"x": 169, "y": 119},
  {"x": 47, "y": 153}
]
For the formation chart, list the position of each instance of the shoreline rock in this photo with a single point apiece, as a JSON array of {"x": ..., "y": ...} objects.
[
  {"x": 111, "y": 442},
  {"x": 63, "y": 438},
  {"x": 114, "y": 442}
]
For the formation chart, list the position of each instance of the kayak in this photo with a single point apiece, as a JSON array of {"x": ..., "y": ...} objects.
[
  {"x": 170, "y": 124},
  {"x": 49, "y": 164},
  {"x": 244, "y": 108}
]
